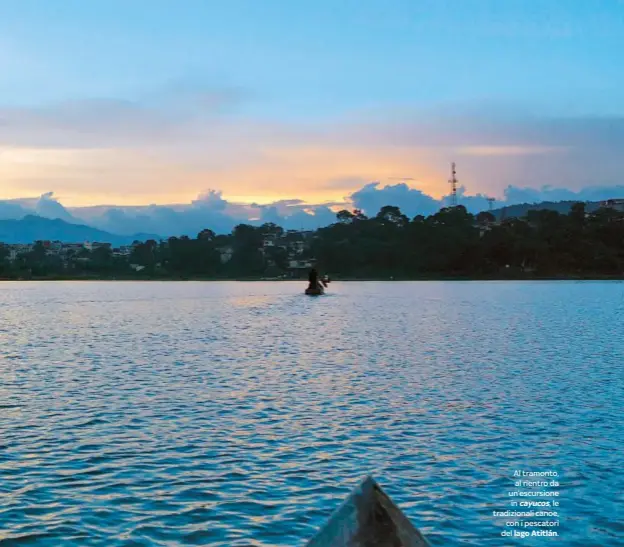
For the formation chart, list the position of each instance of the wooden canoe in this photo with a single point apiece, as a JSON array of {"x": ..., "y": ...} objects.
[
  {"x": 315, "y": 292},
  {"x": 368, "y": 518}
]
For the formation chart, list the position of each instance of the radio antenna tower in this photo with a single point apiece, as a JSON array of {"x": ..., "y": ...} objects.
[{"x": 453, "y": 183}]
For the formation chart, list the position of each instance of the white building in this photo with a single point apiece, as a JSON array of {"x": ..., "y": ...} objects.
[
  {"x": 225, "y": 254},
  {"x": 297, "y": 247},
  {"x": 617, "y": 204},
  {"x": 300, "y": 264}
]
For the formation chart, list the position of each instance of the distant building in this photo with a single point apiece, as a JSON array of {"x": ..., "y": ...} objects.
[
  {"x": 93, "y": 245},
  {"x": 296, "y": 247},
  {"x": 617, "y": 204},
  {"x": 18, "y": 249},
  {"x": 122, "y": 251},
  {"x": 300, "y": 264},
  {"x": 70, "y": 248},
  {"x": 483, "y": 228},
  {"x": 225, "y": 254}
]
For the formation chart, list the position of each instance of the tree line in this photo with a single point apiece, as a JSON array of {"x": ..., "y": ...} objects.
[
  {"x": 455, "y": 243},
  {"x": 450, "y": 243}
]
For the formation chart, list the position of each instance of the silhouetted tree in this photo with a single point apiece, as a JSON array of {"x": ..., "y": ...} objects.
[{"x": 451, "y": 242}]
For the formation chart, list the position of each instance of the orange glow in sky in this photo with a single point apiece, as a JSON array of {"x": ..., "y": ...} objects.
[{"x": 112, "y": 177}]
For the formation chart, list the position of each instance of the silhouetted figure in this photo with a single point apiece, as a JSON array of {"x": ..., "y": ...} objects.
[{"x": 313, "y": 278}]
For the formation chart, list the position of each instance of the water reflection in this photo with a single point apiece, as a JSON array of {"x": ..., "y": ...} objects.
[{"x": 242, "y": 413}]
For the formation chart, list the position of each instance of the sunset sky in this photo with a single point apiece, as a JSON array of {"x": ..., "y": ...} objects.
[{"x": 156, "y": 102}]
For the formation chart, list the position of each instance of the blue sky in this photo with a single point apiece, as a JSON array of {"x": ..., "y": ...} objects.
[
  {"x": 302, "y": 65},
  {"x": 319, "y": 58}
]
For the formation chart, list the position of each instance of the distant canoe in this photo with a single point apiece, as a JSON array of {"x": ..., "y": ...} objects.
[
  {"x": 315, "y": 292},
  {"x": 368, "y": 518}
]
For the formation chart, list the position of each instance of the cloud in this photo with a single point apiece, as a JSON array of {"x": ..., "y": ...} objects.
[
  {"x": 47, "y": 206},
  {"x": 208, "y": 210},
  {"x": 347, "y": 183},
  {"x": 211, "y": 200},
  {"x": 412, "y": 202},
  {"x": 372, "y": 197},
  {"x": 12, "y": 210},
  {"x": 548, "y": 193},
  {"x": 167, "y": 147},
  {"x": 211, "y": 210},
  {"x": 164, "y": 118},
  {"x": 508, "y": 150}
]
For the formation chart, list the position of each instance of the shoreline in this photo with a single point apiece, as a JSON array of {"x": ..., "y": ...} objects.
[{"x": 595, "y": 277}]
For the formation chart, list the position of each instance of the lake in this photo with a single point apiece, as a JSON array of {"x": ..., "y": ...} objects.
[{"x": 239, "y": 414}]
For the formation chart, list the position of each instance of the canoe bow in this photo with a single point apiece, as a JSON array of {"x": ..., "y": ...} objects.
[{"x": 368, "y": 518}]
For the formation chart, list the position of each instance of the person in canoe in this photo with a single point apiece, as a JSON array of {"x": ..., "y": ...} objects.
[{"x": 313, "y": 278}]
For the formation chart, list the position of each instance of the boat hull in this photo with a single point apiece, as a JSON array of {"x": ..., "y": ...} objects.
[
  {"x": 368, "y": 518},
  {"x": 315, "y": 292}
]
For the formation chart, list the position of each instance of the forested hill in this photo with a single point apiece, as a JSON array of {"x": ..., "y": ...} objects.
[
  {"x": 520, "y": 210},
  {"x": 32, "y": 228},
  {"x": 449, "y": 243},
  {"x": 454, "y": 243}
]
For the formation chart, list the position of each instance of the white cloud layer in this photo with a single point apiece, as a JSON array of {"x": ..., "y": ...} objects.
[
  {"x": 168, "y": 147},
  {"x": 211, "y": 210}
]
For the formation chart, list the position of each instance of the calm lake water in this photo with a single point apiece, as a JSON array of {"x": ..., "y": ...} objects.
[{"x": 243, "y": 413}]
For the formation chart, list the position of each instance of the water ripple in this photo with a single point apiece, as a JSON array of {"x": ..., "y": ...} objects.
[{"x": 241, "y": 414}]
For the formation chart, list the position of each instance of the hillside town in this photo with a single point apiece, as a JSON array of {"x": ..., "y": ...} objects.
[
  {"x": 292, "y": 246},
  {"x": 451, "y": 242},
  {"x": 67, "y": 252}
]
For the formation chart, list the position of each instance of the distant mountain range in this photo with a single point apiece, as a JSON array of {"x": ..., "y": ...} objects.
[
  {"x": 562, "y": 207},
  {"x": 33, "y": 228}
]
